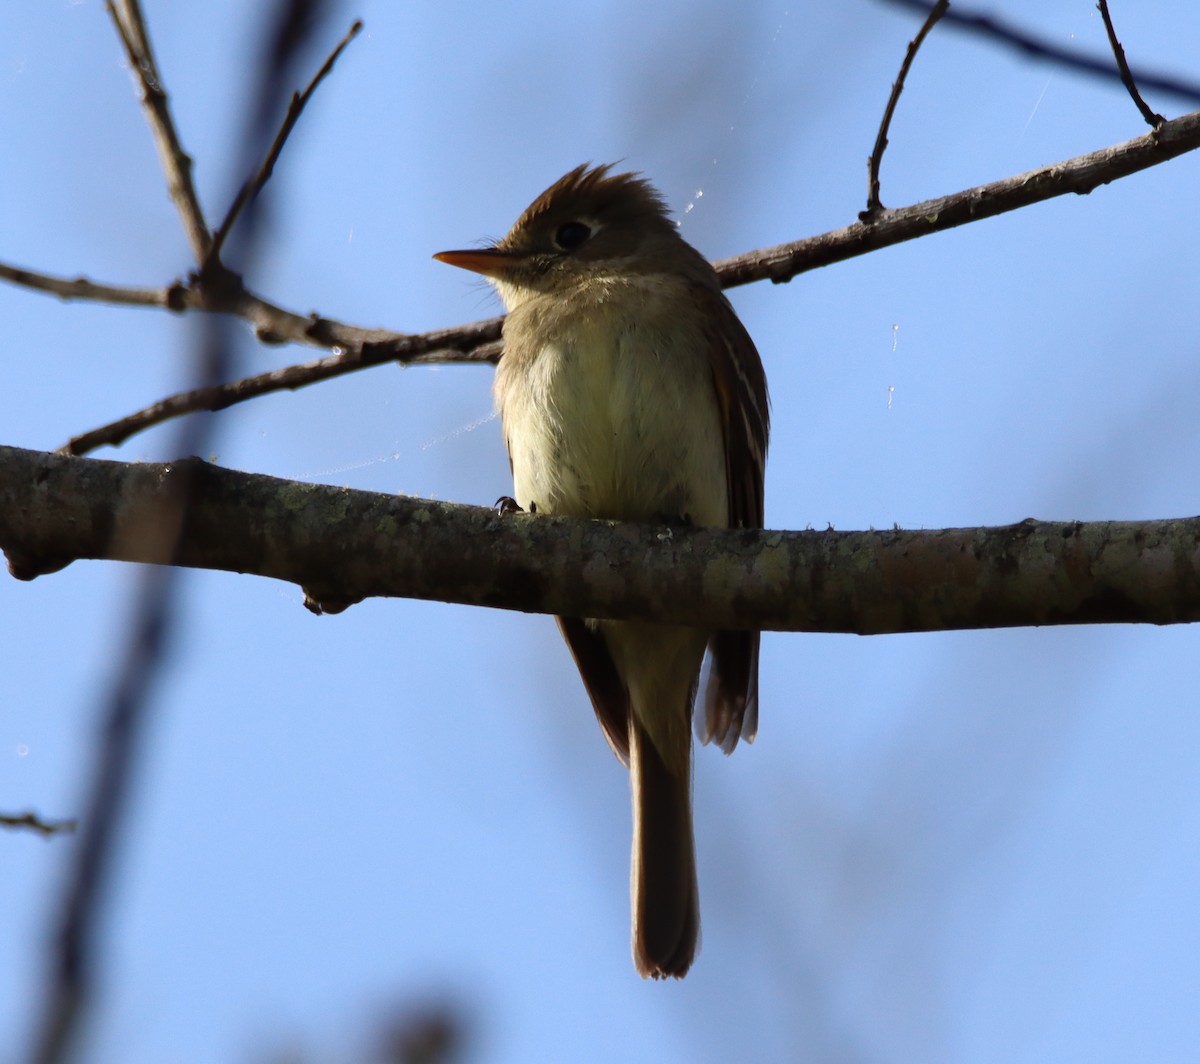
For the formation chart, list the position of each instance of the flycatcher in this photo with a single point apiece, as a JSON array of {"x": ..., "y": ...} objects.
[{"x": 629, "y": 390}]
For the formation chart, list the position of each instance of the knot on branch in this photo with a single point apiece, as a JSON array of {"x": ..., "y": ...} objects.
[{"x": 218, "y": 286}]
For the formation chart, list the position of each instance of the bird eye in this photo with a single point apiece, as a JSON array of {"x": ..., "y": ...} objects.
[{"x": 571, "y": 235}]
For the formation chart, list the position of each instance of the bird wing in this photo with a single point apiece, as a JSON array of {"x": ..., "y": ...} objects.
[
  {"x": 731, "y": 694},
  {"x": 610, "y": 697}
]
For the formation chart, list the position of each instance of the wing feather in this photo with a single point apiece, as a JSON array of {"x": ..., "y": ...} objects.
[
  {"x": 731, "y": 695},
  {"x": 610, "y": 697}
]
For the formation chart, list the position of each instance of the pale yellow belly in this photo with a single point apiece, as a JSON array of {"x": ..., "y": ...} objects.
[{"x": 601, "y": 425}]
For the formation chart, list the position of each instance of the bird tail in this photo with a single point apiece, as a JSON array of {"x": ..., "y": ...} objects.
[{"x": 665, "y": 895}]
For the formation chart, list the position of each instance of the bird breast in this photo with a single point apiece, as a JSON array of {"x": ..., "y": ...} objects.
[{"x": 609, "y": 407}]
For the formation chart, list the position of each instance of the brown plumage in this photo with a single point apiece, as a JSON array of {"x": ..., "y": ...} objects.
[{"x": 629, "y": 390}]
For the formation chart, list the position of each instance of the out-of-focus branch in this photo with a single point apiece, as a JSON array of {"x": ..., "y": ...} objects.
[
  {"x": 1026, "y": 43},
  {"x": 1152, "y": 118},
  {"x": 126, "y": 701},
  {"x": 342, "y": 546},
  {"x": 874, "y": 206}
]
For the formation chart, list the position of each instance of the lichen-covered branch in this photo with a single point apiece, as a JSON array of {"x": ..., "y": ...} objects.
[{"x": 343, "y": 545}]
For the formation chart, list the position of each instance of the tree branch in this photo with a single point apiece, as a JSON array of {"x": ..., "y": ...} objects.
[
  {"x": 874, "y": 206},
  {"x": 32, "y": 822},
  {"x": 1079, "y": 175},
  {"x": 252, "y": 186},
  {"x": 176, "y": 163},
  {"x": 482, "y": 339},
  {"x": 1027, "y": 44},
  {"x": 342, "y": 546},
  {"x": 1152, "y": 118},
  {"x": 75, "y": 288},
  {"x": 357, "y": 348},
  {"x": 478, "y": 341}
]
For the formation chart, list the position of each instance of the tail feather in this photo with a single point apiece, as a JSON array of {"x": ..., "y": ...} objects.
[{"x": 666, "y": 898}]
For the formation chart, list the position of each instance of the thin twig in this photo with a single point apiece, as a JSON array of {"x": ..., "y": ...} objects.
[
  {"x": 881, "y": 138},
  {"x": 1006, "y": 33},
  {"x": 477, "y": 342},
  {"x": 1079, "y": 175},
  {"x": 172, "y": 297},
  {"x": 33, "y": 822},
  {"x": 481, "y": 340},
  {"x": 176, "y": 163},
  {"x": 254, "y": 185},
  {"x": 1152, "y": 117},
  {"x": 272, "y": 323}
]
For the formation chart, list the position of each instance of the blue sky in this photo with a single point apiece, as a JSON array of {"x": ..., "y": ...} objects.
[{"x": 966, "y": 847}]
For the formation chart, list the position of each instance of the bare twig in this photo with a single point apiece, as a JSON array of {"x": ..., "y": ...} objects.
[
  {"x": 176, "y": 163},
  {"x": 1026, "y": 43},
  {"x": 173, "y": 297},
  {"x": 881, "y": 139},
  {"x": 478, "y": 342},
  {"x": 326, "y": 539},
  {"x": 272, "y": 323},
  {"x": 1153, "y": 118},
  {"x": 1079, "y": 175},
  {"x": 253, "y": 185},
  {"x": 481, "y": 343},
  {"x": 33, "y": 822}
]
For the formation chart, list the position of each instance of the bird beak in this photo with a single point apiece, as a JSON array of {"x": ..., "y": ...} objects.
[{"x": 491, "y": 262}]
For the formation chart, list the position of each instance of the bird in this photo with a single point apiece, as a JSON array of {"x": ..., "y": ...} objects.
[{"x": 628, "y": 389}]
